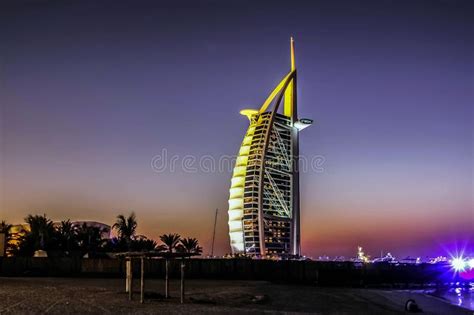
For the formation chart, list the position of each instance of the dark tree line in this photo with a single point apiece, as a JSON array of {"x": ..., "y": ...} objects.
[
  {"x": 5, "y": 228},
  {"x": 67, "y": 239}
]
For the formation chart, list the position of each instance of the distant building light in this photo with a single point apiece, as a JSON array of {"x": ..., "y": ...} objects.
[
  {"x": 458, "y": 264},
  {"x": 471, "y": 263}
]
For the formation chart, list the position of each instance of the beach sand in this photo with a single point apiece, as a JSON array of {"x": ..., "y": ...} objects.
[{"x": 107, "y": 296}]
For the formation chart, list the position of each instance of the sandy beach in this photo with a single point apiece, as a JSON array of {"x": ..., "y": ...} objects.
[{"x": 105, "y": 296}]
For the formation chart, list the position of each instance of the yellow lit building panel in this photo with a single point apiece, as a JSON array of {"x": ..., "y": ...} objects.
[
  {"x": 238, "y": 181},
  {"x": 244, "y": 150},
  {"x": 235, "y": 214},
  {"x": 242, "y": 160},
  {"x": 237, "y": 203},
  {"x": 236, "y": 192},
  {"x": 235, "y": 226}
]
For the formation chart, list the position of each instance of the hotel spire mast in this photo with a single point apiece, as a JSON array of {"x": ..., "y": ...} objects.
[{"x": 296, "y": 229}]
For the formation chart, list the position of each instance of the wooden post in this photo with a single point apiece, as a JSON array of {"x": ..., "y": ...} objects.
[
  {"x": 127, "y": 275},
  {"x": 167, "y": 280},
  {"x": 142, "y": 280},
  {"x": 182, "y": 280},
  {"x": 129, "y": 278}
]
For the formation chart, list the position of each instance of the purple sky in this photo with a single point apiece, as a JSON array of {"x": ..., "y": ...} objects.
[{"x": 91, "y": 91}]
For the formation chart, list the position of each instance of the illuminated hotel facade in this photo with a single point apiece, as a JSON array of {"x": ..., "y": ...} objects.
[{"x": 264, "y": 205}]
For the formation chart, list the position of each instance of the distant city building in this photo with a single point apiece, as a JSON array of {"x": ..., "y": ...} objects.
[{"x": 264, "y": 206}]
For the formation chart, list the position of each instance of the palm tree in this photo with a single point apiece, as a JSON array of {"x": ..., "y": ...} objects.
[
  {"x": 142, "y": 243},
  {"x": 126, "y": 228},
  {"x": 190, "y": 245},
  {"x": 90, "y": 239},
  {"x": 23, "y": 243},
  {"x": 5, "y": 227},
  {"x": 67, "y": 236},
  {"x": 41, "y": 231},
  {"x": 170, "y": 242}
]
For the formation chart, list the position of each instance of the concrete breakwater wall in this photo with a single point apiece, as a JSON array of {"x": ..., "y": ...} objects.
[{"x": 322, "y": 273}]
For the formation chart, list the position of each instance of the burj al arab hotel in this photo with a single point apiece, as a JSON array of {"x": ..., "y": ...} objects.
[{"x": 264, "y": 205}]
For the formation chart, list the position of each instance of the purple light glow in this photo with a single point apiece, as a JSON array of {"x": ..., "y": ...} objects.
[
  {"x": 464, "y": 267},
  {"x": 471, "y": 263},
  {"x": 458, "y": 264}
]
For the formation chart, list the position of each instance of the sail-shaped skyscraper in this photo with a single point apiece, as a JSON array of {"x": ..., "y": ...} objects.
[{"x": 264, "y": 205}]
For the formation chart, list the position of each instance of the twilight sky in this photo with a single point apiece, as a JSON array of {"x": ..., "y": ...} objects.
[{"x": 91, "y": 91}]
